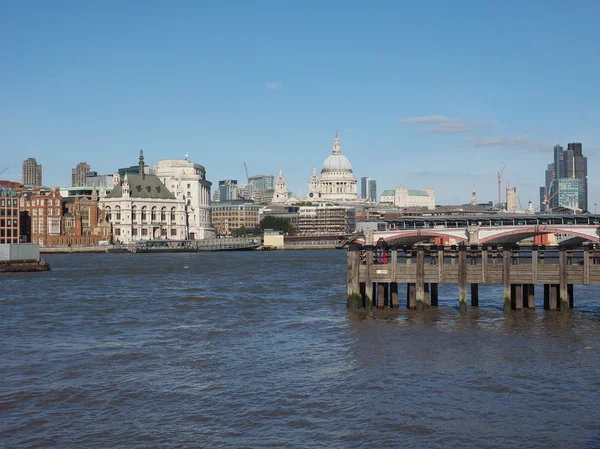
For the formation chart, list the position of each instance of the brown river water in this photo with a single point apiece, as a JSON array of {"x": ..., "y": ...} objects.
[{"x": 258, "y": 350}]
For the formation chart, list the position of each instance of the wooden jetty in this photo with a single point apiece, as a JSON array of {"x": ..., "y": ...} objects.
[{"x": 375, "y": 274}]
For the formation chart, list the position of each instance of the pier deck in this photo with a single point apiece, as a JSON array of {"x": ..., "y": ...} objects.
[{"x": 375, "y": 273}]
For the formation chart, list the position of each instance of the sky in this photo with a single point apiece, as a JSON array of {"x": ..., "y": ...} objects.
[{"x": 424, "y": 94}]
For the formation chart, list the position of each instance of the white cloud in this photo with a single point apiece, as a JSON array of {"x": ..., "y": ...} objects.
[
  {"x": 273, "y": 86},
  {"x": 508, "y": 142},
  {"x": 441, "y": 124}
]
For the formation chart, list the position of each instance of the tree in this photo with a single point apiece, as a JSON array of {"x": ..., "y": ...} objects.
[
  {"x": 274, "y": 223},
  {"x": 241, "y": 231}
]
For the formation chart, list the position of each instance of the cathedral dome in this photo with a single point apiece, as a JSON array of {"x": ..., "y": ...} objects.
[{"x": 337, "y": 162}]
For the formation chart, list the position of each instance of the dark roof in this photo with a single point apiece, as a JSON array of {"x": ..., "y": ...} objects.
[{"x": 146, "y": 186}]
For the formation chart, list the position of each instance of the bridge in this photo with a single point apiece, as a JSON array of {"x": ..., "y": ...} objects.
[{"x": 486, "y": 230}]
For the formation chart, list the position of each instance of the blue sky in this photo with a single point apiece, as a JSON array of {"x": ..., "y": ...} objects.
[{"x": 425, "y": 94}]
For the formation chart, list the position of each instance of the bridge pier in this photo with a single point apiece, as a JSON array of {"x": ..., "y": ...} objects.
[
  {"x": 516, "y": 297},
  {"x": 410, "y": 296}
]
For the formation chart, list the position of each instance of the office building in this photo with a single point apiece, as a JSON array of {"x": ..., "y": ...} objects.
[
  {"x": 570, "y": 193},
  {"x": 262, "y": 183},
  {"x": 511, "y": 199},
  {"x": 32, "y": 173},
  {"x": 228, "y": 190},
  {"x": 368, "y": 189},
  {"x": 79, "y": 173},
  {"x": 228, "y": 216},
  {"x": 9, "y": 215},
  {"x": 575, "y": 166},
  {"x": 558, "y": 162},
  {"x": 407, "y": 198}
]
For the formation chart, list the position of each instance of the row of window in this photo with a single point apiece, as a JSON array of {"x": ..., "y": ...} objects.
[
  {"x": 9, "y": 212},
  {"x": 7, "y": 223},
  {"x": 6, "y": 203},
  {"x": 50, "y": 211}
]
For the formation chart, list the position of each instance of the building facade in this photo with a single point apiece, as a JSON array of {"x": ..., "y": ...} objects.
[
  {"x": 262, "y": 183},
  {"x": 79, "y": 173},
  {"x": 32, "y": 173},
  {"x": 228, "y": 190},
  {"x": 326, "y": 220},
  {"x": 229, "y": 216},
  {"x": 41, "y": 216},
  {"x": 187, "y": 182},
  {"x": 337, "y": 183},
  {"x": 511, "y": 199},
  {"x": 368, "y": 189},
  {"x": 143, "y": 208},
  {"x": 9, "y": 215},
  {"x": 281, "y": 194},
  {"x": 570, "y": 193},
  {"x": 407, "y": 198}
]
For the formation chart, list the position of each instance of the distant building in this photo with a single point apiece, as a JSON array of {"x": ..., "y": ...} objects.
[
  {"x": 228, "y": 216},
  {"x": 281, "y": 194},
  {"x": 102, "y": 181},
  {"x": 143, "y": 208},
  {"x": 289, "y": 213},
  {"x": 337, "y": 183},
  {"x": 32, "y": 173},
  {"x": 9, "y": 215},
  {"x": 262, "y": 183},
  {"x": 407, "y": 198},
  {"x": 42, "y": 213},
  {"x": 79, "y": 173},
  {"x": 273, "y": 238},
  {"x": 387, "y": 197},
  {"x": 326, "y": 220},
  {"x": 228, "y": 190},
  {"x": 575, "y": 166},
  {"x": 570, "y": 193},
  {"x": 511, "y": 199},
  {"x": 368, "y": 189}
]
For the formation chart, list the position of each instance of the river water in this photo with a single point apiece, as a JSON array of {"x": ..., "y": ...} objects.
[{"x": 257, "y": 350}]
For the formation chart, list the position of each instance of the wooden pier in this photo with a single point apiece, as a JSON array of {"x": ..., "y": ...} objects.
[{"x": 375, "y": 274}]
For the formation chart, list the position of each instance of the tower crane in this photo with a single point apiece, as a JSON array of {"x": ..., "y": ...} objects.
[
  {"x": 499, "y": 181},
  {"x": 4, "y": 170},
  {"x": 247, "y": 177}
]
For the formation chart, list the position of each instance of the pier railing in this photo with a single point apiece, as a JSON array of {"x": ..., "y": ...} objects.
[{"x": 374, "y": 273}]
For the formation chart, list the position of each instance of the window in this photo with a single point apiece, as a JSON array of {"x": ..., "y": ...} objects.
[
  {"x": 57, "y": 202},
  {"x": 1, "y": 203},
  {"x": 14, "y": 203},
  {"x": 144, "y": 232},
  {"x": 163, "y": 214},
  {"x": 189, "y": 185},
  {"x": 57, "y": 211},
  {"x": 35, "y": 212},
  {"x": 49, "y": 211},
  {"x": 108, "y": 214},
  {"x": 153, "y": 213},
  {"x": 144, "y": 213},
  {"x": 172, "y": 215},
  {"x": 117, "y": 231},
  {"x": 118, "y": 210},
  {"x": 133, "y": 213},
  {"x": 173, "y": 232}
]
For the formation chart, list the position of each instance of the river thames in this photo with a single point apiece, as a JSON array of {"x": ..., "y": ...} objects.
[{"x": 257, "y": 349}]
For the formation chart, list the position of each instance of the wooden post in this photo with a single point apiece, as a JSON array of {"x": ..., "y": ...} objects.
[
  {"x": 506, "y": 278},
  {"x": 586, "y": 264},
  {"x": 394, "y": 263},
  {"x": 518, "y": 301},
  {"x": 534, "y": 264},
  {"x": 531, "y": 296},
  {"x": 546, "y": 297},
  {"x": 434, "y": 295},
  {"x": 440, "y": 265},
  {"x": 394, "y": 295},
  {"x": 420, "y": 278},
  {"x": 554, "y": 291},
  {"x": 426, "y": 295},
  {"x": 380, "y": 295},
  {"x": 369, "y": 277},
  {"x": 410, "y": 296},
  {"x": 474, "y": 295},
  {"x": 354, "y": 297},
  {"x": 484, "y": 263},
  {"x": 462, "y": 278},
  {"x": 570, "y": 293},
  {"x": 564, "y": 294}
]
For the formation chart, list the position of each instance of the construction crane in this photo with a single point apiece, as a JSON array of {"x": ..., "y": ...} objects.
[
  {"x": 499, "y": 181},
  {"x": 247, "y": 177},
  {"x": 520, "y": 205},
  {"x": 3, "y": 171}
]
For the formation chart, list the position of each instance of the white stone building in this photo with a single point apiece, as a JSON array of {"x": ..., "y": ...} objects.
[
  {"x": 405, "y": 198},
  {"x": 337, "y": 183},
  {"x": 142, "y": 208},
  {"x": 187, "y": 182},
  {"x": 281, "y": 194}
]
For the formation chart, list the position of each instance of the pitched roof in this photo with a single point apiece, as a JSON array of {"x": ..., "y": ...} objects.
[
  {"x": 388, "y": 193},
  {"x": 417, "y": 193},
  {"x": 147, "y": 186}
]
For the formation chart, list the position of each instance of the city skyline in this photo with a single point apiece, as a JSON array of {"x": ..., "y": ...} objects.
[{"x": 440, "y": 100}]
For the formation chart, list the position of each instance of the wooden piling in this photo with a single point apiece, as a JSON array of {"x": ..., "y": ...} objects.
[
  {"x": 506, "y": 278},
  {"x": 554, "y": 296},
  {"x": 570, "y": 293},
  {"x": 368, "y": 277},
  {"x": 394, "y": 295},
  {"x": 474, "y": 295},
  {"x": 434, "y": 295},
  {"x": 462, "y": 278},
  {"x": 355, "y": 300},
  {"x": 564, "y": 293},
  {"x": 518, "y": 298},
  {"x": 410, "y": 296},
  {"x": 380, "y": 295},
  {"x": 531, "y": 296},
  {"x": 420, "y": 285},
  {"x": 534, "y": 263}
]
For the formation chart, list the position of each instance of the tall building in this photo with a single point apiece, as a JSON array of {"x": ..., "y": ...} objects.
[
  {"x": 9, "y": 215},
  {"x": 558, "y": 162},
  {"x": 228, "y": 190},
  {"x": 32, "y": 173},
  {"x": 368, "y": 189},
  {"x": 262, "y": 183},
  {"x": 575, "y": 166},
  {"x": 79, "y": 173},
  {"x": 570, "y": 193},
  {"x": 511, "y": 199}
]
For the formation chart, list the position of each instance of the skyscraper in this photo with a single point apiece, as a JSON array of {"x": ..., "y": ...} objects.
[
  {"x": 558, "y": 162},
  {"x": 262, "y": 183},
  {"x": 511, "y": 199},
  {"x": 78, "y": 174},
  {"x": 228, "y": 190},
  {"x": 32, "y": 173},
  {"x": 575, "y": 166},
  {"x": 368, "y": 189}
]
